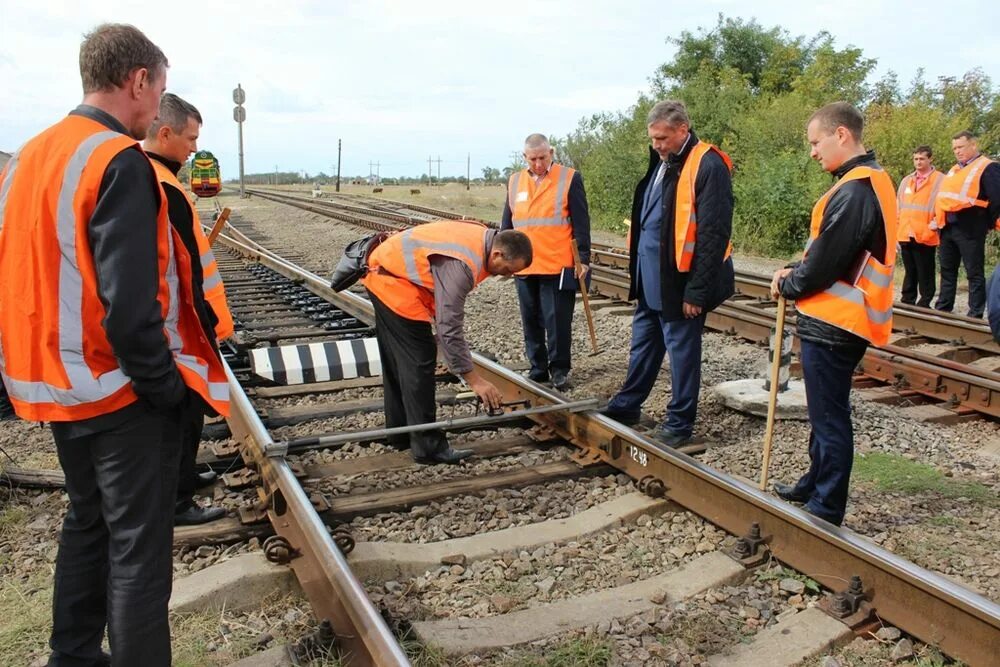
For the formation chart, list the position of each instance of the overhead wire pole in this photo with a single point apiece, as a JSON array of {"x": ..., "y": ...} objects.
[
  {"x": 430, "y": 174},
  {"x": 439, "y": 169},
  {"x": 468, "y": 171},
  {"x": 338, "y": 164}
]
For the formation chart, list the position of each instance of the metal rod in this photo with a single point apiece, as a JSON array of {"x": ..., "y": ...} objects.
[
  {"x": 586, "y": 297},
  {"x": 314, "y": 442}
]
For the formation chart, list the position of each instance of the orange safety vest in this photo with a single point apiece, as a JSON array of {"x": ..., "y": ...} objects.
[
  {"x": 686, "y": 210},
  {"x": 865, "y": 307},
  {"x": 542, "y": 212},
  {"x": 960, "y": 189},
  {"x": 916, "y": 208},
  {"x": 211, "y": 281},
  {"x": 400, "y": 269},
  {"x": 55, "y": 357}
]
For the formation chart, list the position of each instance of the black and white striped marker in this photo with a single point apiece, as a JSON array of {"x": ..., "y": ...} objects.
[{"x": 317, "y": 362}]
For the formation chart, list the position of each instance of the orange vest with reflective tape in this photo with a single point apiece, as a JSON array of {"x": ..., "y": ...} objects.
[
  {"x": 211, "y": 280},
  {"x": 960, "y": 189},
  {"x": 400, "y": 269},
  {"x": 542, "y": 212},
  {"x": 55, "y": 357},
  {"x": 916, "y": 208},
  {"x": 865, "y": 307},
  {"x": 686, "y": 209}
]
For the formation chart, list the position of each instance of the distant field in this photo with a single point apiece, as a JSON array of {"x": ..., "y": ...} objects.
[{"x": 484, "y": 202}]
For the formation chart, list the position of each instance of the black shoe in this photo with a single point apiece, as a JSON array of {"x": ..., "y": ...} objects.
[
  {"x": 541, "y": 377},
  {"x": 626, "y": 418},
  {"x": 560, "y": 380},
  {"x": 399, "y": 445},
  {"x": 194, "y": 515},
  {"x": 450, "y": 456},
  {"x": 204, "y": 478},
  {"x": 790, "y": 493},
  {"x": 671, "y": 439}
]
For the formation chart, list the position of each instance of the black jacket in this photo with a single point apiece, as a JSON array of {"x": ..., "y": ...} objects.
[
  {"x": 852, "y": 223},
  {"x": 710, "y": 280},
  {"x": 978, "y": 218}
]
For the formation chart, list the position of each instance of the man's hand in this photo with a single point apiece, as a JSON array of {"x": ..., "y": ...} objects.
[
  {"x": 582, "y": 270},
  {"x": 485, "y": 390},
  {"x": 779, "y": 275},
  {"x": 690, "y": 310}
]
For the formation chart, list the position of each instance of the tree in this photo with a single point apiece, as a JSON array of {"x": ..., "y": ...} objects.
[{"x": 491, "y": 174}]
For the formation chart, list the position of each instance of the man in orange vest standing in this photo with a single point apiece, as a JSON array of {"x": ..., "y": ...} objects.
[
  {"x": 843, "y": 293},
  {"x": 547, "y": 202},
  {"x": 679, "y": 264},
  {"x": 171, "y": 139},
  {"x": 968, "y": 205},
  {"x": 423, "y": 275},
  {"x": 918, "y": 229},
  {"x": 98, "y": 338}
]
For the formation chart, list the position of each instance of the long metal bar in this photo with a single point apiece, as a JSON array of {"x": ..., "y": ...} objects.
[
  {"x": 314, "y": 442},
  {"x": 962, "y": 623}
]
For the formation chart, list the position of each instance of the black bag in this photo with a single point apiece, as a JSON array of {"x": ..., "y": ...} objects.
[{"x": 354, "y": 264}]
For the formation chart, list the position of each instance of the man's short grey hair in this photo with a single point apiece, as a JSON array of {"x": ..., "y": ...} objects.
[
  {"x": 174, "y": 113},
  {"x": 536, "y": 140},
  {"x": 671, "y": 112}
]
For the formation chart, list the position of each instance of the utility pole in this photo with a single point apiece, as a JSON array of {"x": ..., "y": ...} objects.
[
  {"x": 439, "y": 168},
  {"x": 338, "y": 165},
  {"x": 275, "y": 174},
  {"x": 375, "y": 173},
  {"x": 429, "y": 177},
  {"x": 240, "y": 115},
  {"x": 468, "y": 171}
]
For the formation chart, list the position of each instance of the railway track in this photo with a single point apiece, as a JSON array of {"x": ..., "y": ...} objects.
[{"x": 936, "y": 610}]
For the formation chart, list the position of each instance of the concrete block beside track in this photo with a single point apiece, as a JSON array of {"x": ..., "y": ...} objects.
[
  {"x": 393, "y": 560},
  {"x": 482, "y": 635},
  {"x": 789, "y": 642},
  {"x": 233, "y": 584}
]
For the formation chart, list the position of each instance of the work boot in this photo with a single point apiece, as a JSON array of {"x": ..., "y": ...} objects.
[
  {"x": 626, "y": 418},
  {"x": 560, "y": 380},
  {"x": 790, "y": 493},
  {"x": 671, "y": 439},
  {"x": 193, "y": 515},
  {"x": 450, "y": 456},
  {"x": 204, "y": 478}
]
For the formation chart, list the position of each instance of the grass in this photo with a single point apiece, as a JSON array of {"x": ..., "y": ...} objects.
[
  {"x": 26, "y": 613},
  {"x": 578, "y": 652},
  {"x": 894, "y": 473},
  {"x": 483, "y": 202}
]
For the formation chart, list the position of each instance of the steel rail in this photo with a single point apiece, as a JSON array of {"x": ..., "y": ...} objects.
[
  {"x": 962, "y": 623},
  {"x": 333, "y": 590}
]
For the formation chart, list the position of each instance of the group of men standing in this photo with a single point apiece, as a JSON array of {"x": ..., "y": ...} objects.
[
  {"x": 950, "y": 214},
  {"x": 111, "y": 306}
]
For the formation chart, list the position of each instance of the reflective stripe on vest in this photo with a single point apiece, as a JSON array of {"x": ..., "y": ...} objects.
[
  {"x": 953, "y": 197},
  {"x": 864, "y": 308},
  {"x": 400, "y": 272},
  {"x": 541, "y": 210},
  {"x": 686, "y": 208}
]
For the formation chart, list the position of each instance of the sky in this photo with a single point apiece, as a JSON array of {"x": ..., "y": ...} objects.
[{"x": 399, "y": 82}]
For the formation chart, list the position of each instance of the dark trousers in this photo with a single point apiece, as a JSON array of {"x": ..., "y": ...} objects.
[
  {"x": 918, "y": 260},
  {"x": 547, "y": 317},
  {"x": 114, "y": 565},
  {"x": 191, "y": 428},
  {"x": 651, "y": 339},
  {"x": 965, "y": 243},
  {"x": 409, "y": 356},
  {"x": 827, "y": 371}
]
